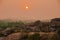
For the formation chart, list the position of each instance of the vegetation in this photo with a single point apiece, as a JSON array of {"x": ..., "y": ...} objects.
[
  {"x": 24, "y": 37},
  {"x": 35, "y": 36},
  {"x": 43, "y": 28},
  {"x": 2, "y": 35}
]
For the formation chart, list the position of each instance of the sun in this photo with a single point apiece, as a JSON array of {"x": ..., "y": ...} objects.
[{"x": 27, "y": 7}]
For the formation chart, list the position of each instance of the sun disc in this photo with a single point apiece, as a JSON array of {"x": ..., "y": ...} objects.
[{"x": 26, "y": 7}]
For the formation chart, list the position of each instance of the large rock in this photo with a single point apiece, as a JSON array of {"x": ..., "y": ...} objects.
[
  {"x": 2, "y": 38},
  {"x": 14, "y": 36},
  {"x": 7, "y": 31}
]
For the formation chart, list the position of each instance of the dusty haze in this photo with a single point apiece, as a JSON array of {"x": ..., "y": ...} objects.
[{"x": 39, "y": 9}]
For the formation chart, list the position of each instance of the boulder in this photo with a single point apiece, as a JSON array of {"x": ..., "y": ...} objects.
[{"x": 14, "y": 36}]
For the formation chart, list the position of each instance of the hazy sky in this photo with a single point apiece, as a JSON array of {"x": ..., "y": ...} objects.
[{"x": 39, "y": 9}]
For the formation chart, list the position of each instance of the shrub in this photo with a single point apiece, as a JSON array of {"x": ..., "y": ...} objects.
[
  {"x": 35, "y": 36},
  {"x": 24, "y": 37},
  {"x": 1, "y": 35},
  {"x": 58, "y": 32}
]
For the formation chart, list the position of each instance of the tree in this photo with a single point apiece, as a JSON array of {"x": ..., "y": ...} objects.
[{"x": 37, "y": 23}]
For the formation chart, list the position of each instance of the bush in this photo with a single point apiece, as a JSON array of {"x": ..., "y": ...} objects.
[
  {"x": 24, "y": 37},
  {"x": 2, "y": 35},
  {"x": 35, "y": 36},
  {"x": 58, "y": 33}
]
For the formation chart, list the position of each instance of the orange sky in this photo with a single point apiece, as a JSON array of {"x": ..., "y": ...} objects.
[{"x": 39, "y": 9}]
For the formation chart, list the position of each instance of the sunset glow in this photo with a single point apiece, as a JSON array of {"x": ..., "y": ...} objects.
[{"x": 34, "y": 9}]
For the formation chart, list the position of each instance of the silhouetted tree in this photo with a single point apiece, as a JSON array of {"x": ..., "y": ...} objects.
[{"x": 37, "y": 23}]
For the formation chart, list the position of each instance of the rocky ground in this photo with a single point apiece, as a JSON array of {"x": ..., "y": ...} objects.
[{"x": 18, "y": 35}]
